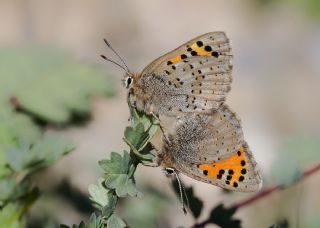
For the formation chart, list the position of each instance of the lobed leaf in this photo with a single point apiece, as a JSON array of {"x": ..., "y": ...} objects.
[
  {"x": 39, "y": 155},
  {"x": 49, "y": 85},
  {"x": 224, "y": 217},
  {"x": 115, "y": 222}
]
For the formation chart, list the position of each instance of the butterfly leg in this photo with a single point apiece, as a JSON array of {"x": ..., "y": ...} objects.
[
  {"x": 160, "y": 126},
  {"x": 182, "y": 192}
]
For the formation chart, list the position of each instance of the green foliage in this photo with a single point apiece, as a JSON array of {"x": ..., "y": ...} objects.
[
  {"x": 298, "y": 152},
  {"x": 119, "y": 170},
  {"x": 13, "y": 208},
  {"x": 312, "y": 7},
  {"x": 119, "y": 174},
  {"x": 30, "y": 157},
  {"x": 146, "y": 212},
  {"x": 139, "y": 134},
  {"x": 48, "y": 85},
  {"x": 38, "y": 85},
  {"x": 119, "y": 181},
  {"x": 22, "y": 160},
  {"x": 14, "y": 127},
  {"x": 94, "y": 222},
  {"x": 115, "y": 221}
]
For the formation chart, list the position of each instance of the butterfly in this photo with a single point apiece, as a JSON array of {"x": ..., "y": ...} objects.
[
  {"x": 190, "y": 83},
  {"x": 211, "y": 148},
  {"x": 195, "y": 77}
]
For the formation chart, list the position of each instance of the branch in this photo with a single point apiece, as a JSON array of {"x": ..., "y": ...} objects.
[{"x": 272, "y": 189}]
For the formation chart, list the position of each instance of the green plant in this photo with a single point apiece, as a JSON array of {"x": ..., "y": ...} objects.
[
  {"x": 39, "y": 87},
  {"x": 118, "y": 180}
]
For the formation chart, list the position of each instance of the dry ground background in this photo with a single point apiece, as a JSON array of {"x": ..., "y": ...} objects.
[{"x": 275, "y": 89}]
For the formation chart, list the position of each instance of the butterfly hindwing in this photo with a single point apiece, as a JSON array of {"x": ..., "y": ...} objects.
[
  {"x": 211, "y": 148},
  {"x": 197, "y": 75},
  {"x": 208, "y": 138},
  {"x": 239, "y": 172}
]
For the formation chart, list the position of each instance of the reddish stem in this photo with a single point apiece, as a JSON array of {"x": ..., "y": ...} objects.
[{"x": 272, "y": 189}]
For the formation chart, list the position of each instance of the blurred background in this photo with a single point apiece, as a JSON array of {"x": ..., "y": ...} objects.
[{"x": 51, "y": 71}]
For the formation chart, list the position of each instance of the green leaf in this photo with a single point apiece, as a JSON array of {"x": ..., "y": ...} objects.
[
  {"x": 99, "y": 195},
  {"x": 122, "y": 184},
  {"x": 142, "y": 130},
  {"x": 10, "y": 216},
  {"x": 115, "y": 222},
  {"x": 48, "y": 84},
  {"x": 103, "y": 198},
  {"x": 10, "y": 190},
  {"x": 116, "y": 164},
  {"x": 138, "y": 136},
  {"x": 117, "y": 171},
  {"x": 94, "y": 222},
  {"x": 42, "y": 154},
  {"x": 145, "y": 156},
  {"x": 224, "y": 217},
  {"x": 107, "y": 210},
  {"x": 14, "y": 127}
]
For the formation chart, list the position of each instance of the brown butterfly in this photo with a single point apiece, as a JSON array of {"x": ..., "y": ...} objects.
[
  {"x": 206, "y": 142},
  {"x": 195, "y": 77}
]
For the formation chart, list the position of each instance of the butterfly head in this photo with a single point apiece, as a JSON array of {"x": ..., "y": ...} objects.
[{"x": 127, "y": 80}]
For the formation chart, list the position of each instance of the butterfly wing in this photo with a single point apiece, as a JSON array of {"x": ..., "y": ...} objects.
[
  {"x": 239, "y": 172},
  {"x": 211, "y": 148},
  {"x": 197, "y": 75}
]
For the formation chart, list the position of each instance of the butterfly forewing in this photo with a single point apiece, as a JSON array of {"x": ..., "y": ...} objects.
[
  {"x": 195, "y": 77},
  {"x": 216, "y": 40}
]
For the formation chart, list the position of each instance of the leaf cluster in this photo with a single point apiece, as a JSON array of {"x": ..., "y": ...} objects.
[
  {"x": 219, "y": 215},
  {"x": 48, "y": 85},
  {"x": 118, "y": 181},
  {"x": 38, "y": 87}
]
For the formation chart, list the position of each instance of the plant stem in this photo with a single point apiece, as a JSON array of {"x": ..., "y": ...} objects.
[{"x": 272, "y": 189}]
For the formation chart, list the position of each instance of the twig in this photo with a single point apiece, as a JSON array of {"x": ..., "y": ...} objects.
[
  {"x": 272, "y": 189},
  {"x": 263, "y": 194}
]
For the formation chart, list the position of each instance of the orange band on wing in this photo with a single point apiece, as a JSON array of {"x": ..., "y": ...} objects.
[
  {"x": 232, "y": 169},
  {"x": 200, "y": 50},
  {"x": 196, "y": 49}
]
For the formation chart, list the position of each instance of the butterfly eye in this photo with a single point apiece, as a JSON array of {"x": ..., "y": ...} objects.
[
  {"x": 168, "y": 171},
  {"x": 128, "y": 82}
]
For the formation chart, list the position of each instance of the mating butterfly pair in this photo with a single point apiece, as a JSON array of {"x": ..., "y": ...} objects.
[{"x": 191, "y": 83}]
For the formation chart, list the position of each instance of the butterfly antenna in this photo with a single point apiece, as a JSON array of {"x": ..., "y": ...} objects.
[
  {"x": 116, "y": 53},
  {"x": 181, "y": 188},
  {"x": 114, "y": 62}
]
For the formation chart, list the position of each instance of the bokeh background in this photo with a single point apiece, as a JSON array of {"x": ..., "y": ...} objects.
[{"x": 275, "y": 93}]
